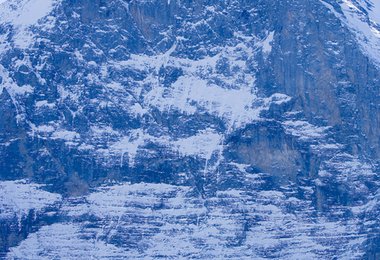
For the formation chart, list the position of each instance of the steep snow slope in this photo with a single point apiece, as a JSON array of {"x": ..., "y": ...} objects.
[
  {"x": 362, "y": 17},
  {"x": 189, "y": 129}
]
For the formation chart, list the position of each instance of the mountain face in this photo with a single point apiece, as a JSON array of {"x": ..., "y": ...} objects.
[{"x": 181, "y": 129}]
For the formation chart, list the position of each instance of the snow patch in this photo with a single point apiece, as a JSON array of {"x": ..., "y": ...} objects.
[
  {"x": 20, "y": 197},
  {"x": 203, "y": 144},
  {"x": 65, "y": 135},
  {"x": 266, "y": 44},
  {"x": 304, "y": 130},
  {"x": 130, "y": 144},
  {"x": 44, "y": 103},
  {"x": 25, "y": 14},
  {"x": 193, "y": 95}
]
